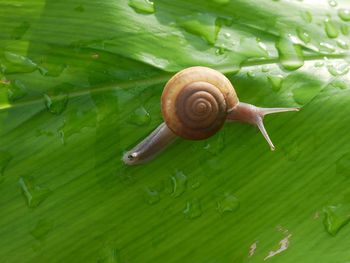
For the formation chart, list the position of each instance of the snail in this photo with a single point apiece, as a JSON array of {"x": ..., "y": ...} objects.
[{"x": 195, "y": 104}]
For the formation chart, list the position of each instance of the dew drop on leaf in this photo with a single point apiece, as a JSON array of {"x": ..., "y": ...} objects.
[
  {"x": 306, "y": 16},
  {"x": 151, "y": 196},
  {"x": 251, "y": 74},
  {"x": 56, "y": 102},
  {"x": 330, "y": 28},
  {"x": 290, "y": 54},
  {"x": 332, "y": 3},
  {"x": 339, "y": 84},
  {"x": 178, "y": 183},
  {"x": 19, "y": 63},
  {"x": 338, "y": 69},
  {"x": 342, "y": 44},
  {"x": 227, "y": 203},
  {"x": 276, "y": 81},
  {"x": 344, "y": 30},
  {"x": 42, "y": 228},
  {"x": 344, "y": 14},
  {"x": 304, "y": 92},
  {"x": 193, "y": 209},
  {"x": 16, "y": 90},
  {"x": 326, "y": 47},
  {"x": 220, "y": 51},
  {"x": 262, "y": 46},
  {"x": 336, "y": 217},
  {"x": 33, "y": 193},
  {"x": 227, "y": 35},
  {"x": 142, "y": 6},
  {"x": 139, "y": 117},
  {"x": 203, "y": 25},
  {"x": 265, "y": 68},
  {"x": 343, "y": 165},
  {"x": 319, "y": 64},
  {"x": 303, "y": 35}
]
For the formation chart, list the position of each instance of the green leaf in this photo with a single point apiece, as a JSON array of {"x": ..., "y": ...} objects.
[{"x": 80, "y": 84}]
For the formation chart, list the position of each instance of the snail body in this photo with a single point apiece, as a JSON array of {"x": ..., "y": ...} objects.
[{"x": 195, "y": 104}]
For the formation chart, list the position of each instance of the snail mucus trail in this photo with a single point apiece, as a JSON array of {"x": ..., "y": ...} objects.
[{"x": 195, "y": 104}]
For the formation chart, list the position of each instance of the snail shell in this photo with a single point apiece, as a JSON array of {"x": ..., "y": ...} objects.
[{"x": 196, "y": 101}]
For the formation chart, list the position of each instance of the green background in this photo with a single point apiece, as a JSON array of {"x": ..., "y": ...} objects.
[{"x": 80, "y": 84}]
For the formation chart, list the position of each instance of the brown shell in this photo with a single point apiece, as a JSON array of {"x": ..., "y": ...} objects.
[{"x": 195, "y": 102}]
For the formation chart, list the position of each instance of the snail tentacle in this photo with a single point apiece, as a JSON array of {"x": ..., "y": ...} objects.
[{"x": 251, "y": 114}]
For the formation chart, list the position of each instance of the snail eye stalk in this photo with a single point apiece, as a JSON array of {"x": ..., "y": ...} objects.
[{"x": 251, "y": 114}]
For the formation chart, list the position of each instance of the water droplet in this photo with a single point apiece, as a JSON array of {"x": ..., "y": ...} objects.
[
  {"x": 344, "y": 30},
  {"x": 290, "y": 54},
  {"x": 326, "y": 47},
  {"x": 56, "y": 102},
  {"x": 305, "y": 91},
  {"x": 203, "y": 25},
  {"x": 33, "y": 193},
  {"x": 332, "y": 3},
  {"x": 193, "y": 209},
  {"x": 342, "y": 44},
  {"x": 220, "y": 51},
  {"x": 179, "y": 183},
  {"x": 152, "y": 196},
  {"x": 251, "y": 74},
  {"x": 344, "y": 14},
  {"x": 339, "y": 84},
  {"x": 336, "y": 216},
  {"x": 343, "y": 165},
  {"x": 265, "y": 68},
  {"x": 276, "y": 81},
  {"x": 227, "y": 203},
  {"x": 16, "y": 90},
  {"x": 338, "y": 69},
  {"x": 20, "y": 63},
  {"x": 330, "y": 28},
  {"x": 139, "y": 117},
  {"x": 5, "y": 158},
  {"x": 79, "y": 8},
  {"x": 142, "y": 6},
  {"x": 306, "y": 16},
  {"x": 319, "y": 64},
  {"x": 262, "y": 46},
  {"x": 20, "y": 30},
  {"x": 303, "y": 35},
  {"x": 42, "y": 228}
]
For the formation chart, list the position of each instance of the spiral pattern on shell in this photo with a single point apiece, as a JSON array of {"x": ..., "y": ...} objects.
[{"x": 195, "y": 102}]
